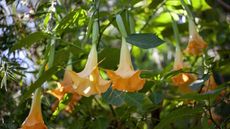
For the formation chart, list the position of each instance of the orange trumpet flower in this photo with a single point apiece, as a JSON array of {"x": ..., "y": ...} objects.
[
  {"x": 182, "y": 80},
  {"x": 196, "y": 44},
  {"x": 65, "y": 87},
  {"x": 125, "y": 78},
  {"x": 89, "y": 82},
  {"x": 210, "y": 84},
  {"x": 34, "y": 120}
]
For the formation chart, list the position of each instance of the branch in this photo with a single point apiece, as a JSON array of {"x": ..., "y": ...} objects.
[{"x": 225, "y": 5}]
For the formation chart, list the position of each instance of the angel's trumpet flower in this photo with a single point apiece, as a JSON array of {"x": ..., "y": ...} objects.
[
  {"x": 65, "y": 87},
  {"x": 182, "y": 80},
  {"x": 210, "y": 84},
  {"x": 89, "y": 82},
  {"x": 196, "y": 44},
  {"x": 125, "y": 78},
  {"x": 34, "y": 120}
]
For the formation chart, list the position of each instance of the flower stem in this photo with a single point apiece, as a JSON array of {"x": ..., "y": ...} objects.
[
  {"x": 121, "y": 25},
  {"x": 36, "y": 102},
  {"x": 95, "y": 33},
  {"x": 190, "y": 16}
]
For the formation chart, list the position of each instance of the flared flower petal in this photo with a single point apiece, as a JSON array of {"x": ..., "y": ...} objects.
[
  {"x": 34, "y": 120},
  {"x": 182, "y": 80},
  {"x": 65, "y": 87},
  {"x": 89, "y": 82},
  {"x": 125, "y": 78},
  {"x": 209, "y": 85},
  {"x": 196, "y": 44}
]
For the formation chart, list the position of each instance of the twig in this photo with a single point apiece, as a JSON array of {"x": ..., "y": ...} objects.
[
  {"x": 103, "y": 29},
  {"x": 113, "y": 112},
  {"x": 210, "y": 114},
  {"x": 225, "y": 5}
]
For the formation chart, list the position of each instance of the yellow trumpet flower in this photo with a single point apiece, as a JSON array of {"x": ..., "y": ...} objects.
[
  {"x": 196, "y": 44},
  {"x": 34, "y": 120},
  {"x": 182, "y": 80},
  {"x": 89, "y": 82},
  {"x": 125, "y": 78},
  {"x": 65, "y": 87}
]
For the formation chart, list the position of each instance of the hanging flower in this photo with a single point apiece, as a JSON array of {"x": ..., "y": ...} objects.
[
  {"x": 196, "y": 44},
  {"x": 34, "y": 120},
  {"x": 65, "y": 87},
  {"x": 182, "y": 80},
  {"x": 89, "y": 82},
  {"x": 210, "y": 84},
  {"x": 125, "y": 78}
]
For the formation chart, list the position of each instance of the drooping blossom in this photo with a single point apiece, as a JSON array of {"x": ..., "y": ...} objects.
[
  {"x": 89, "y": 82},
  {"x": 182, "y": 80},
  {"x": 65, "y": 87},
  {"x": 34, "y": 120},
  {"x": 196, "y": 44},
  {"x": 209, "y": 85},
  {"x": 125, "y": 78}
]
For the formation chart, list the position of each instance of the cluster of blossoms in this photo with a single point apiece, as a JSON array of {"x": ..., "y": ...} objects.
[
  {"x": 196, "y": 47},
  {"x": 89, "y": 81}
]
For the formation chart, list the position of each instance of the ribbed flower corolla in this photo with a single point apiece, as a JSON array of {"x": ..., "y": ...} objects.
[
  {"x": 65, "y": 87},
  {"x": 182, "y": 80},
  {"x": 89, "y": 82},
  {"x": 125, "y": 78},
  {"x": 34, "y": 120},
  {"x": 196, "y": 44}
]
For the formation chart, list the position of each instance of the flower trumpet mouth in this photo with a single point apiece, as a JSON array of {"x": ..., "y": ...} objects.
[
  {"x": 89, "y": 82},
  {"x": 34, "y": 120},
  {"x": 65, "y": 87},
  {"x": 182, "y": 80},
  {"x": 196, "y": 44},
  {"x": 209, "y": 85},
  {"x": 125, "y": 78}
]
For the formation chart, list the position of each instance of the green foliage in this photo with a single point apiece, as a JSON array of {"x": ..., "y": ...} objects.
[
  {"x": 30, "y": 40},
  {"x": 62, "y": 37},
  {"x": 75, "y": 18},
  {"x": 180, "y": 113},
  {"x": 109, "y": 58},
  {"x": 144, "y": 40}
]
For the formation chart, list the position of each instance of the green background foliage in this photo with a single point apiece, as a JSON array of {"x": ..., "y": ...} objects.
[{"x": 62, "y": 31}]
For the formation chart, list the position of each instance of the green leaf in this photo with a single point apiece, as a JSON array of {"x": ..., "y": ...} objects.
[
  {"x": 155, "y": 3},
  {"x": 144, "y": 40},
  {"x": 101, "y": 123},
  {"x": 200, "y": 97},
  {"x": 134, "y": 99},
  {"x": 76, "y": 17},
  {"x": 113, "y": 97},
  {"x": 196, "y": 85},
  {"x": 200, "y": 5},
  {"x": 156, "y": 97},
  {"x": 109, "y": 58},
  {"x": 30, "y": 39},
  {"x": 178, "y": 114},
  {"x": 61, "y": 56}
]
